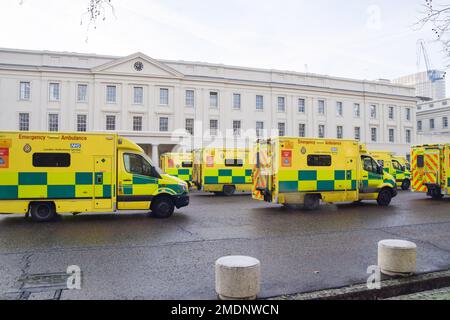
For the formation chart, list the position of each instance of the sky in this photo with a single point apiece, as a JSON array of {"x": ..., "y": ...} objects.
[{"x": 353, "y": 38}]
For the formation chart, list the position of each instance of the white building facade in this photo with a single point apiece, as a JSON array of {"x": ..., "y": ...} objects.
[
  {"x": 433, "y": 117},
  {"x": 159, "y": 104}
]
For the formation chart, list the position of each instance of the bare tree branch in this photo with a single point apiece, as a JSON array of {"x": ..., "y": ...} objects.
[
  {"x": 437, "y": 17},
  {"x": 96, "y": 10}
]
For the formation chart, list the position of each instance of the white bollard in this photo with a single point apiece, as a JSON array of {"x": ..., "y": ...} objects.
[
  {"x": 397, "y": 257},
  {"x": 237, "y": 278}
]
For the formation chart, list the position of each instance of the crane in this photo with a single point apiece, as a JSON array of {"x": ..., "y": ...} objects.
[{"x": 433, "y": 75}]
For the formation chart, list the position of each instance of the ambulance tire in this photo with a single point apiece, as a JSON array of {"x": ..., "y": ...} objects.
[
  {"x": 436, "y": 194},
  {"x": 406, "y": 184},
  {"x": 384, "y": 197},
  {"x": 162, "y": 207},
  {"x": 311, "y": 202},
  {"x": 43, "y": 212},
  {"x": 228, "y": 191}
]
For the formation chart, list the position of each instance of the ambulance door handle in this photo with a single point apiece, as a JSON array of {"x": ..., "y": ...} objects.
[{"x": 127, "y": 180}]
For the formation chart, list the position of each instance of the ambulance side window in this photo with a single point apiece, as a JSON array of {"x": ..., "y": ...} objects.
[
  {"x": 51, "y": 160},
  {"x": 186, "y": 164},
  {"x": 234, "y": 162},
  {"x": 420, "y": 161},
  {"x": 315, "y": 160},
  {"x": 136, "y": 164}
]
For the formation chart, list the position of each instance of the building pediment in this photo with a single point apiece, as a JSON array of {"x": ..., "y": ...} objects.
[{"x": 138, "y": 64}]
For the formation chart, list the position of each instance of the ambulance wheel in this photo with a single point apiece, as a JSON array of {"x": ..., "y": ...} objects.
[
  {"x": 43, "y": 212},
  {"x": 162, "y": 207},
  {"x": 228, "y": 190},
  {"x": 436, "y": 194},
  {"x": 312, "y": 202},
  {"x": 384, "y": 197},
  {"x": 406, "y": 184}
]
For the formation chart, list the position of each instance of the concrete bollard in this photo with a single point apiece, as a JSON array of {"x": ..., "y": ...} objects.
[
  {"x": 397, "y": 257},
  {"x": 237, "y": 278}
]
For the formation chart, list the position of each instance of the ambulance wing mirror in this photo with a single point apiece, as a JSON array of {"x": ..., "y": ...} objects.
[{"x": 380, "y": 170}]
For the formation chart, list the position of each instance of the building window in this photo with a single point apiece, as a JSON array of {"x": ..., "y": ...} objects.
[
  {"x": 301, "y": 105},
  {"x": 190, "y": 126},
  {"x": 82, "y": 93},
  {"x": 391, "y": 135},
  {"x": 236, "y": 101},
  {"x": 281, "y": 129},
  {"x": 236, "y": 127},
  {"x": 25, "y": 90},
  {"x": 190, "y": 99},
  {"x": 321, "y": 131},
  {"x": 408, "y": 114},
  {"x": 445, "y": 122},
  {"x": 213, "y": 99},
  {"x": 53, "y": 122},
  {"x": 302, "y": 130},
  {"x": 339, "y": 109},
  {"x": 281, "y": 104},
  {"x": 110, "y": 122},
  {"x": 24, "y": 122},
  {"x": 138, "y": 95},
  {"x": 373, "y": 111},
  {"x": 259, "y": 102},
  {"x": 356, "y": 110},
  {"x": 164, "y": 96},
  {"x": 81, "y": 122},
  {"x": 431, "y": 123},
  {"x": 419, "y": 125},
  {"x": 163, "y": 124},
  {"x": 373, "y": 134},
  {"x": 259, "y": 128},
  {"x": 391, "y": 112},
  {"x": 213, "y": 126},
  {"x": 111, "y": 94},
  {"x": 321, "y": 107},
  {"x": 357, "y": 133},
  {"x": 340, "y": 132},
  {"x": 408, "y": 136},
  {"x": 54, "y": 92},
  {"x": 137, "y": 123}
]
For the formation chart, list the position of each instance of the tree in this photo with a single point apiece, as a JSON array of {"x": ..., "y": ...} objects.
[
  {"x": 97, "y": 9},
  {"x": 437, "y": 16}
]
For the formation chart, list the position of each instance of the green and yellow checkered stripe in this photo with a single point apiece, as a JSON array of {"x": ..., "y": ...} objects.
[
  {"x": 143, "y": 186},
  {"x": 46, "y": 185},
  {"x": 228, "y": 176},
  {"x": 183, "y": 174},
  {"x": 313, "y": 180}
]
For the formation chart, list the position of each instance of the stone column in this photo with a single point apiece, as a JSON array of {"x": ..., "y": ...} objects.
[{"x": 155, "y": 154}]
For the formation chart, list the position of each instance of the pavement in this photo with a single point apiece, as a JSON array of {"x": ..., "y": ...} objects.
[{"x": 133, "y": 256}]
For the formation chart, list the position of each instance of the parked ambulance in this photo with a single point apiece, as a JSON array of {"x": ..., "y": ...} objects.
[
  {"x": 430, "y": 166},
  {"x": 44, "y": 173},
  {"x": 178, "y": 164},
  {"x": 393, "y": 166},
  {"x": 302, "y": 171},
  {"x": 223, "y": 171}
]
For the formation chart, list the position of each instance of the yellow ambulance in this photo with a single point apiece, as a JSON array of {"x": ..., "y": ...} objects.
[
  {"x": 393, "y": 166},
  {"x": 44, "y": 173},
  {"x": 430, "y": 166},
  {"x": 223, "y": 171},
  {"x": 178, "y": 164},
  {"x": 302, "y": 171}
]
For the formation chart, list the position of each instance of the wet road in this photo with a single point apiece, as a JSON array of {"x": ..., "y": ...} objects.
[{"x": 132, "y": 256}]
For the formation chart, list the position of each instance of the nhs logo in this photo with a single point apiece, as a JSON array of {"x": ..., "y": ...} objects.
[{"x": 75, "y": 146}]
